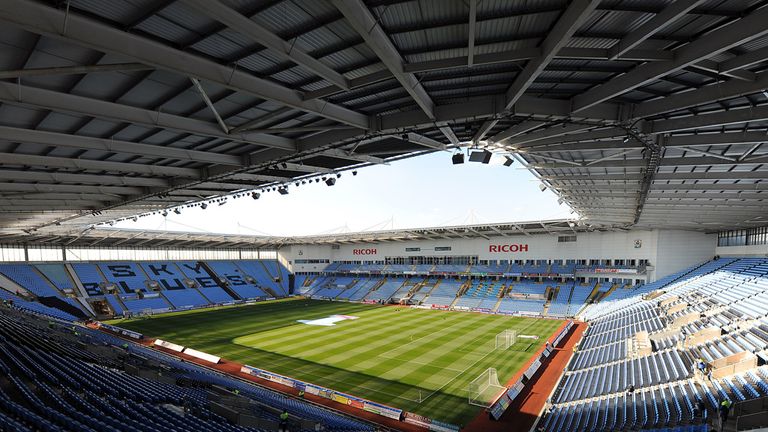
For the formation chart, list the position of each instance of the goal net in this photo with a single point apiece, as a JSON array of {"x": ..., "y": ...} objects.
[
  {"x": 506, "y": 339},
  {"x": 484, "y": 389}
]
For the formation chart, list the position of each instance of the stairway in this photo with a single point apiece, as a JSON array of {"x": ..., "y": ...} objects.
[{"x": 219, "y": 282}]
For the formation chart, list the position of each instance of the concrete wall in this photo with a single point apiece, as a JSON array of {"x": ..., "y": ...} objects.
[{"x": 668, "y": 251}]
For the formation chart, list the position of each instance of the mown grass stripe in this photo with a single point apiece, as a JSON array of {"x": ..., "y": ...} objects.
[{"x": 372, "y": 357}]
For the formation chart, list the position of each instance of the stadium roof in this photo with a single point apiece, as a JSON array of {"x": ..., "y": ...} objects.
[
  {"x": 636, "y": 112},
  {"x": 106, "y": 237}
]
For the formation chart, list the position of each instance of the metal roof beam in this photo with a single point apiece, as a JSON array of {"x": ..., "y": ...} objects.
[
  {"x": 97, "y": 165},
  {"x": 45, "y": 20},
  {"x": 709, "y": 139},
  {"x": 702, "y": 96},
  {"x": 98, "y": 179},
  {"x": 518, "y": 129},
  {"x": 52, "y": 188},
  {"x": 74, "y": 70},
  {"x": 15, "y": 94},
  {"x": 471, "y": 37},
  {"x": 585, "y": 146},
  {"x": 209, "y": 104},
  {"x": 654, "y": 25},
  {"x": 290, "y": 166},
  {"x": 550, "y": 132},
  {"x": 253, "y": 123},
  {"x": 744, "y": 60},
  {"x": 425, "y": 141},
  {"x": 589, "y": 137},
  {"x": 595, "y": 177},
  {"x": 488, "y": 106},
  {"x": 577, "y": 12},
  {"x": 572, "y": 18},
  {"x": 279, "y": 47},
  {"x": 348, "y": 155},
  {"x": 367, "y": 26},
  {"x": 56, "y": 139},
  {"x": 714, "y": 68},
  {"x": 680, "y": 187},
  {"x": 691, "y": 195},
  {"x": 718, "y": 119},
  {"x": 524, "y": 54},
  {"x": 752, "y": 26}
]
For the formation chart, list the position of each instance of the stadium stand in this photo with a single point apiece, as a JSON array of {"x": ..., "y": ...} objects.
[
  {"x": 128, "y": 277},
  {"x": 185, "y": 299},
  {"x": 58, "y": 275},
  {"x": 28, "y": 278},
  {"x": 90, "y": 277},
  {"x": 265, "y": 273},
  {"x": 235, "y": 279},
  {"x": 71, "y": 388},
  {"x": 445, "y": 292},
  {"x": 713, "y": 312},
  {"x": 383, "y": 292},
  {"x": 166, "y": 274}
]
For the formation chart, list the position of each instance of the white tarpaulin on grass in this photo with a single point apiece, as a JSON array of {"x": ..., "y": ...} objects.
[{"x": 329, "y": 321}]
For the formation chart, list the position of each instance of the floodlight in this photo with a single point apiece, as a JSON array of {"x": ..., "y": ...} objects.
[
  {"x": 458, "y": 158},
  {"x": 204, "y": 206},
  {"x": 177, "y": 211},
  {"x": 542, "y": 187},
  {"x": 508, "y": 161},
  {"x": 255, "y": 195},
  {"x": 330, "y": 181},
  {"x": 482, "y": 156},
  {"x": 283, "y": 190}
]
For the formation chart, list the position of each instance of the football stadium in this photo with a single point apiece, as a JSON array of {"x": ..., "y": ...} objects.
[{"x": 189, "y": 192}]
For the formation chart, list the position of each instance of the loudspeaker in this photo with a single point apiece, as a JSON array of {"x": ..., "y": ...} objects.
[
  {"x": 483, "y": 156},
  {"x": 458, "y": 158}
]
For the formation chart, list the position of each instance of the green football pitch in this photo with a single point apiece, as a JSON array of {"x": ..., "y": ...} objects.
[{"x": 417, "y": 360}]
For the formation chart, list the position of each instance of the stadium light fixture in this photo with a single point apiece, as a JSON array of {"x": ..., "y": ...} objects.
[
  {"x": 283, "y": 190},
  {"x": 542, "y": 187},
  {"x": 255, "y": 195},
  {"x": 508, "y": 161},
  {"x": 177, "y": 211},
  {"x": 482, "y": 156},
  {"x": 354, "y": 173},
  {"x": 626, "y": 139},
  {"x": 458, "y": 158},
  {"x": 560, "y": 201},
  {"x": 135, "y": 218},
  {"x": 284, "y": 165},
  {"x": 330, "y": 181},
  {"x": 165, "y": 213},
  {"x": 204, "y": 206},
  {"x": 338, "y": 175}
]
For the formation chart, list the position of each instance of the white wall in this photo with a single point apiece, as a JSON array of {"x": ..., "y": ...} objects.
[
  {"x": 669, "y": 251},
  {"x": 677, "y": 250},
  {"x": 759, "y": 250}
]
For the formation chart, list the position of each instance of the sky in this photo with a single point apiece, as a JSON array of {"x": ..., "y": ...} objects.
[{"x": 424, "y": 191}]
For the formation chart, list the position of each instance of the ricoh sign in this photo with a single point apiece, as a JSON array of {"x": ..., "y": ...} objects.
[
  {"x": 369, "y": 251},
  {"x": 508, "y": 248}
]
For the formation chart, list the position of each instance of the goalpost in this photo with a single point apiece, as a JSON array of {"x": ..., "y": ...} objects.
[
  {"x": 506, "y": 339},
  {"x": 484, "y": 389}
]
